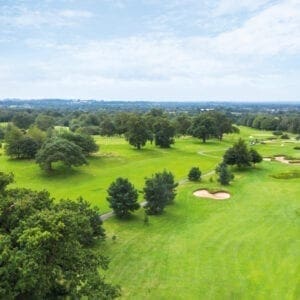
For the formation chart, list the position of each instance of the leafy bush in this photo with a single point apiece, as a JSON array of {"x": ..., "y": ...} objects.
[
  {"x": 122, "y": 197},
  {"x": 194, "y": 174},
  {"x": 285, "y": 136},
  {"x": 277, "y": 132}
]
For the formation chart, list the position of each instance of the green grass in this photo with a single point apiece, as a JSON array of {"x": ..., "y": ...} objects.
[
  {"x": 247, "y": 247},
  {"x": 287, "y": 175},
  {"x": 116, "y": 158}
]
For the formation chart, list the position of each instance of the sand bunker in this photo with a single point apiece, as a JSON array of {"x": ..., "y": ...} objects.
[
  {"x": 207, "y": 194},
  {"x": 283, "y": 160},
  {"x": 267, "y": 158}
]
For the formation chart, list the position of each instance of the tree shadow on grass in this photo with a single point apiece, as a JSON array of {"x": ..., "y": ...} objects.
[{"x": 62, "y": 172}]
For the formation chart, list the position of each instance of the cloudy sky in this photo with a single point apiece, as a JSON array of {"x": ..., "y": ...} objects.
[{"x": 151, "y": 49}]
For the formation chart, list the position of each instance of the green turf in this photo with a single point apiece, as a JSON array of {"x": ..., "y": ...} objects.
[
  {"x": 116, "y": 158},
  {"x": 247, "y": 247}
]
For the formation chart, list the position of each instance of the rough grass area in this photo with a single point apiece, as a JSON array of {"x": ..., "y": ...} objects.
[{"x": 287, "y": 175}]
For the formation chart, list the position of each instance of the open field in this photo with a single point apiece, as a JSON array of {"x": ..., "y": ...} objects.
[
  {"x": 246, "y": 247},
  {"x": 117, "y": 158}
]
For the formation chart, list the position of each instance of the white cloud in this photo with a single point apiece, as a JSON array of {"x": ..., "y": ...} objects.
[
  {"x": 233, "y": 64},
  {"x": 273, "y": 31}
]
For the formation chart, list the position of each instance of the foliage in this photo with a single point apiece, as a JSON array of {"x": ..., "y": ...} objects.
[
  {"x": 19, "y": 145},
  {"x": 122, "y": 197},
  {"x": 222, "y": 124},
  {"x": 23, "y": 120},
  {"x": 224, "y": 174},
  {"x": 5, "y": 180},
  {"x": 37, "y": 135},
  {"x": 203, "y": 127},
  {"x": 58, "y": 149},
  {"x": 285, "y": 136},
  {"x": 255, "y": 156},
  {"x": 2, "y": 133},
  {"x": 45, "y": 248},
  {"x": 238, "y": 155},
  {"x": 277, "y": 132},
  {"x": 137, "y": 132},
  {"x": 84, "y": 141},
  {"x": 107, "y": 127},
  {"x": 182, "y": 124},
  {"x": 164, "y": 133},
  {"x": 159, "y": 191},
  {"x": 44, "y": 122},
  {"x": 194, "y": 174}
]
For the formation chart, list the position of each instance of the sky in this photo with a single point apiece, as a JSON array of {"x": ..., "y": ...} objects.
[{"x": 163, "y": 50}]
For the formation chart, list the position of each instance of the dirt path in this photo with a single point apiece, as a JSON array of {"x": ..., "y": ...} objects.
[{"x": 180, "y": 182}]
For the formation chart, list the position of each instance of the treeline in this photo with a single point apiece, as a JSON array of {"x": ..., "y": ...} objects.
[
  {"x": 276, "y": 122},
  {"x": 30, "y": 136}
]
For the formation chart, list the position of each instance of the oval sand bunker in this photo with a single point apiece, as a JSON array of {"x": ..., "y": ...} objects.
[{"x": 207, "y": 194}]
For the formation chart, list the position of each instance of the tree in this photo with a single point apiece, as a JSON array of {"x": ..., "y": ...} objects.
[
  {"x": 25, "y": 148},
  {"x": 37, "y": 135},
  {"x": 222, "y": 124},
  {"x": 122, "y": 197},
  {"x": 2, "y": 133},
  {"x": 5, "y": 180},
  {"x": 137, "y": 132},
  {"x": 44, "y": 122},
  {"x": 58, "y": 149},
  {"x": 23, "y": 120},
  {"x": 19, "y": 145},
  {"x": 255, "y": 156},
  {"x": 182, "y": 124},
  {"x": 164, "y": 133},
  {"x": 225, "y": 176},
  {"x": 84, "y": 141},
  {"x": 46, "y": 248},
  {"x": 170, "y": 185},
  {"x": 238, "y": 155},
  {"x": 203, "y": 127},
  {"x": 107, "y": 127},
  {"x": 159, "y": 191},
  {"x": 194, "y": 174}
]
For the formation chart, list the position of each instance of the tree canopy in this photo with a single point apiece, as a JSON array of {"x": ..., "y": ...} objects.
[
  {"x": 137, "y": 132},
  {"x": 159, "y": 191},
  {"x": 122, "y": 197},
  {"x": 45, "y": 248},
  {"x": 164, "y": 133},
  {"x": 203, "y": 127},
  {"x": 241, "y": 156},
  {"x": 59, "y": 150},
  {"x": 84, "y": 141}
]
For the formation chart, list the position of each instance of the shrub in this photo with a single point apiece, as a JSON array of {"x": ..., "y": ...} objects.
[
  {"x": 277, "y": 132},
  {"x": 225, "y": 176},
  {"x": 194, "y": 174},
  {"x": 285, "y": 136}
]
